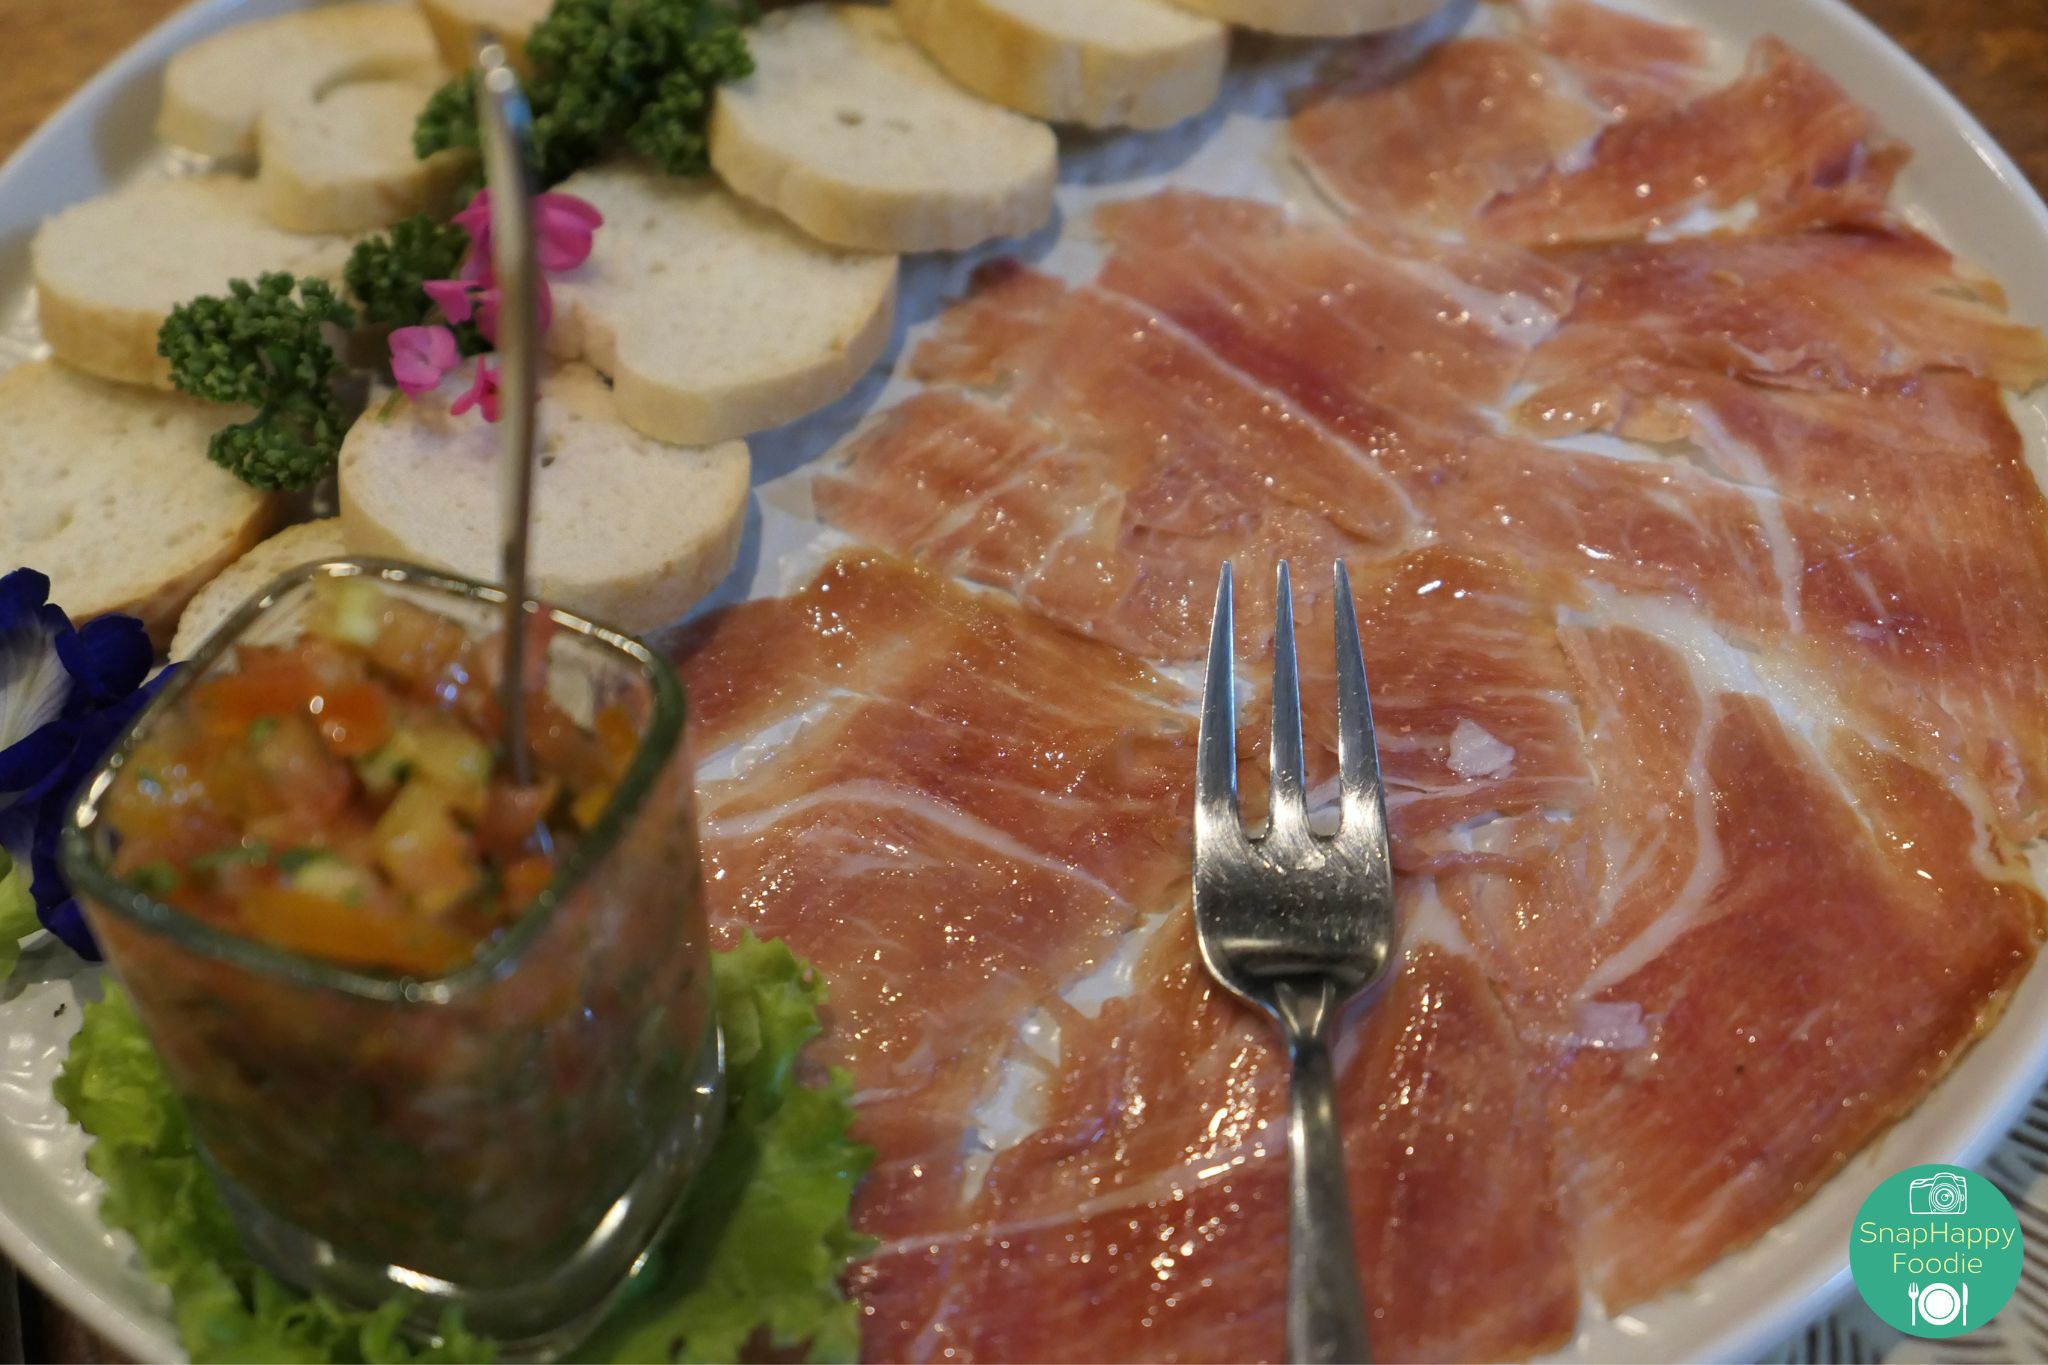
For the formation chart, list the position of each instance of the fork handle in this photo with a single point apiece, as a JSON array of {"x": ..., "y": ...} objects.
[{"x": 1325, "y": 1310}]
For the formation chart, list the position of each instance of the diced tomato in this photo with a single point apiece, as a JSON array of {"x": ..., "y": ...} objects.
[
  {"x": 298, "y": 772},
  {"x": 230, "y": 704},
  {"x": 526, "y": 878},
  {"x": 355, "y": 719},
  {"x": 339, "y": 796},
  {"x": 427, "y": 654},
  {"x": 512, "y": 815}
]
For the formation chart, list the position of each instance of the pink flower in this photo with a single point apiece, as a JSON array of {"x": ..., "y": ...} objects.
[
  {"x": 420, "y": 356},
  {"x": 451, "y": 297},
  {"x": 491, "y": 299},
  {"x": 563, "y": 226},
  {"x": 482, "y": 392}
]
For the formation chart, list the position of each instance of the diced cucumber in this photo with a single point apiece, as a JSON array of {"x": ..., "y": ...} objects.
[{"x": 348, "y": 609}]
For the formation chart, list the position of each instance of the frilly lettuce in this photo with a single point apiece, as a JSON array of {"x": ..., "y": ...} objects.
[
  {"x": 755, "y": 1258},
  {"x": 17, "y": 914}
]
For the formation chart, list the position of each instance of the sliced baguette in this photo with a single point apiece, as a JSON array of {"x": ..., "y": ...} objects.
[
  {"x": 341, "y": 159},
  {"x": 851, "y": 132},
  {"x": 712, "y": 317},
  {"x": 109, "y": 271},
  {"x": 307, "y": 543},
  {"x": 215, "y": 90},
  {"x": 457, "y": 24},
  {"x": 626, "y": 530},
  {"x": 107, "y": 489},
  {"x": 1103, "y": 63},
  {"x": 1315, "y": 18}
]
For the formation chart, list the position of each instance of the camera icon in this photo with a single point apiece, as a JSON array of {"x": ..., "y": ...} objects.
[{"x": 1940, "y": 1195}]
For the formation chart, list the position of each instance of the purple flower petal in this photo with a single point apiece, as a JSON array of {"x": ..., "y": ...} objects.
[
  {"x": 108, "y": 658},
  {"x": 34, "y": 764},
  {"x": 22, "y": 594}
]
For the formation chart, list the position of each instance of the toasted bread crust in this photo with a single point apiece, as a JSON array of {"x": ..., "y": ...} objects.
[{"x": 1167, "y": 64}]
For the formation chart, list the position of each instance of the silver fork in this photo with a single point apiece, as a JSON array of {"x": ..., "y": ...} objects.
[{"x": 1299, "y": 925}]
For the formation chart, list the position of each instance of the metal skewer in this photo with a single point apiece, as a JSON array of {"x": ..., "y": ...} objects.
[{"x": 507, "y": 124}]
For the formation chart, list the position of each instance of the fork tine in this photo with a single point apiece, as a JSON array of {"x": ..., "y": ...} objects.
[
  {"x": 1290, "y": 798},
  {"x": 1216, "y": 754},
  {"x": 1364, "y": 818}
]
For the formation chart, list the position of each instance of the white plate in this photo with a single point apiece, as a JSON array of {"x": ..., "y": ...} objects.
[{"x": 1961, "y": 187}]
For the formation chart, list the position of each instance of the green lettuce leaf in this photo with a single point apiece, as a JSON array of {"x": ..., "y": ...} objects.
[
  {"x": 763, "y": 1238},
  {"x": 755, "y": 1257},
  {"x": 17, "y": 914},
  {"x": 225, "y": 1308}
]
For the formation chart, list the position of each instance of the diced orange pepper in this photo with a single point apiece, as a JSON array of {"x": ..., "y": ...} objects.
[{"x": 363, "y": 936}]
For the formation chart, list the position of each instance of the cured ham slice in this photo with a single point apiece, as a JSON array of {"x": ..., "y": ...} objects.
[
  {"x": 1629, "y": 64},
  {"x": 1783, "y": 137},
  {"x": 1297, "y": 306},
  {"x": 1796, "y": 995},
  {"x": 1712, "y": 722},
  {"x": 1839, "y": 310},
  {"x": 1476, "y": 118},
  {"x": 951, "y": 808},
  {"x": 1118, "y": 543},
  {"x": 1167, "y": 1114}
]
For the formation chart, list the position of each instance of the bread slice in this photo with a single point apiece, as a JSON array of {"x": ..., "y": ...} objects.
[
  {"x": 712, "y": 317},
  {"x": 626, "y": 530},
  {"x": 852, "y": 133},
  {"x": 307, "y": 543},
  {"x": 1103, "y": 63},
  {"x": 107, "y": 489},
  {"x": 341, "y": 159},
  {"x": 215, "y": 90},
  {"x": 457, "y": 24},
  {"x": 109, "y": 271},
  {"x": 1315, "y": 18}
]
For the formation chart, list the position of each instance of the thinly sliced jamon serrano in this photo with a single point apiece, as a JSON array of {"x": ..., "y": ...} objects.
[
  {"x": 1476, "y": 118},
  {"x": 1630, "y": 64},
  {"x": 1353, "y": 324},
  {"x": 1711, "y": 726},
  {"x": 952, "y": 808},
  {"x": 1166, "y": 1118},
  {"x": 1760, "y": 1067},
  {"x": 1841, "y": 310},
  {"x": 1783, "y": 137}
]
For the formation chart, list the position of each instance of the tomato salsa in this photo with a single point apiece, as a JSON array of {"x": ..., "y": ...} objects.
[
  {"x": 343, "y": 797},
  {"x": 486, "y": 1053}
]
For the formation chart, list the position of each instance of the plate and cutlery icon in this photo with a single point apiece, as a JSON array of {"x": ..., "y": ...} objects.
[{"x": 1939, "y": 1304}]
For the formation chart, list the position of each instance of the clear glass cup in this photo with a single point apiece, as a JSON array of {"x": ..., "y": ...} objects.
[{"x": 507, "y": 1138}]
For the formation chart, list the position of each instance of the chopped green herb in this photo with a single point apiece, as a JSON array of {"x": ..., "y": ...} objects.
[
  {"x": 264, "y": 345},
  {"x": 154, "y": 879}
]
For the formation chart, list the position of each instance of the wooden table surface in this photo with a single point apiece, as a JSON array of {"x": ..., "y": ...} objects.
[{"x": 1991, "y": 53}]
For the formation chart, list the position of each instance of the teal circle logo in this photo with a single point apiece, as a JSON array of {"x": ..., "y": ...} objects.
[{"x": 1936, "y": 1251}]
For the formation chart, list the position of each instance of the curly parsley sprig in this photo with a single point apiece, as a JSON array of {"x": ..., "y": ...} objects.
[
  {"x": 609, "y": 74},
  {"x": 264, "y": 345}
]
